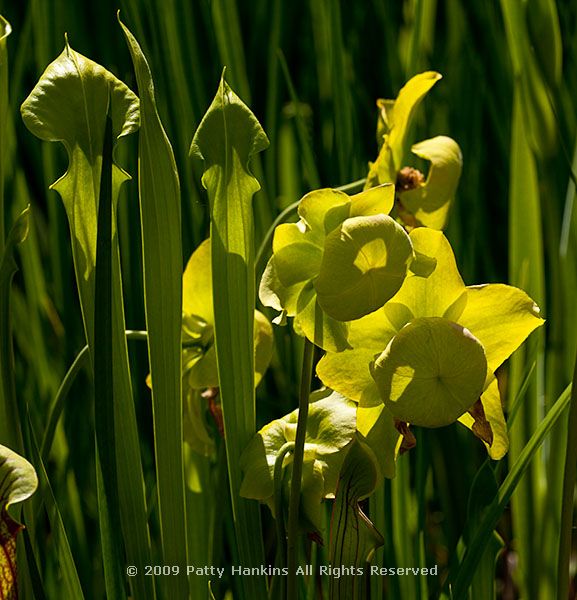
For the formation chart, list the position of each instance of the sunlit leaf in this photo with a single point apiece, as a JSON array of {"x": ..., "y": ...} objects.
[
  {"x": 69, "y": 105},
  {"x": 228, "y": 136}
]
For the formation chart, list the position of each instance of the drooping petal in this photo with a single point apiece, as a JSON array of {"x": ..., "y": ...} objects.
[
  {"x": 195, "y": 431},
  {"x": 297, "y": 261},
  {"x": 491, "y": 401},
  {"x": 501, "y": 317},
  {"x": 430, "y": 202},
  {"x": 432, "y": 372}
]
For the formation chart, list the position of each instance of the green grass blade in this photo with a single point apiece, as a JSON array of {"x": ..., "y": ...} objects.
[
  {"x": 5, "y": 30},
  {"x": 311, "y": 173},
  {"x": 162, "y": 254},
  {"x": 341, "y": 83},
  {"x": 227, "y": 137},
  {"x": 230, "y": 45},
  {"x": 106, "y": 474},
  {"x": 567, "y": 506},
  {"x": 479, "y": 540},
  {"x": 10, "y": 432},
  {"x": 526, "y": 271},
  {"x": 66, "y": 84},
  {"x": 71, "y": 588}
]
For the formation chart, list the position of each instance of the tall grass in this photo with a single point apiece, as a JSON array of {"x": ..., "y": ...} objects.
[{"x": 310, "y": 71}]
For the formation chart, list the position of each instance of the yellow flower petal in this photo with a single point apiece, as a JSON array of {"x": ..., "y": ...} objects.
[
  {"x": 432, "y": 296},
  {"x": 501, "y": 317},
  {"x": 378, "y": 427},
  {"x": 197, "y": 284},
  {"x": 430, "y": 202},
  {"x": 347, "y": 372}
]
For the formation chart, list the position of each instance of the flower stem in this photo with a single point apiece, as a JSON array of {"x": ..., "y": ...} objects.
[
  {"x": 298, "y": 457},
  {"x": 278, "y": 509}
]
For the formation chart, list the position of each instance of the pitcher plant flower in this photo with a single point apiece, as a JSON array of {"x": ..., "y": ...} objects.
[
  {"x": 428, "y": 357},
  {"x": 343, "y": 259},
  {"x": 419, "y": 200}
]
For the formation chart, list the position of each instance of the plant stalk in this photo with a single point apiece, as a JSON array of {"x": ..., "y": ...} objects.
[{"x": 298, "y": 458}]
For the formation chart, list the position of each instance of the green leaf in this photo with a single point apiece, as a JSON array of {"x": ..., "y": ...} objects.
[
  {"x": 354, "y": 538},
  {"x": 106, "y": 472},
  {"x": 18, "y": 481},
  {"x": 430, "y": 202},
  {"x": 363, "y": 265},
  {"x": 70, "y": 587},
  {"x": 10, "y": 431},
  {"x": 483, "y": 489},
  {"x": 69, "y": 104},
  {"x": 159, "y": 194},
  {"x": 431, "y": 372},
  {"x": 226, "y": 139},
  {"x": 462, "y": 574},
  {"x": 5, "y": 30}
]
